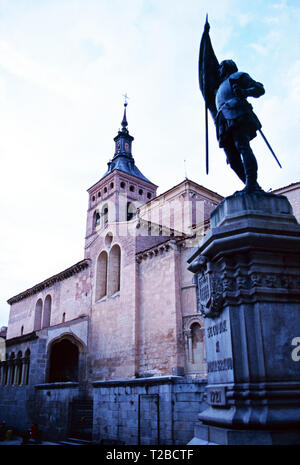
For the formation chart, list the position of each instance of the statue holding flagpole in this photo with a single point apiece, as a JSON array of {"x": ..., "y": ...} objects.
[{"x": 225, "y": 91}]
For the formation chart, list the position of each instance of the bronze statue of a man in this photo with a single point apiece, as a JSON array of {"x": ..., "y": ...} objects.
[{"x": 225, "y": 91}]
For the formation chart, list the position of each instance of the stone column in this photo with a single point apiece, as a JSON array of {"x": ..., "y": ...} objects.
[
  {"x": 9, "y": 372},
  {"x": 16, "y": 372},
  {"x": 25, "y": 368},
  {"x": 188, "y": 335},
  {"x": 247, "y": 271},
  {"x": 2, "y": 373}
]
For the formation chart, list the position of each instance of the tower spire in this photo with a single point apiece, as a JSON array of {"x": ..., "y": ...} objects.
[
  {"x": 123, "y": 159},
  {"x": 124, "y": 121}
]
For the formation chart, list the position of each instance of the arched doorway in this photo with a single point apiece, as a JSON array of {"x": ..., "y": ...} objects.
[
  {"x": 194, "y": 345},
  {"x": 64, "y": 361}
]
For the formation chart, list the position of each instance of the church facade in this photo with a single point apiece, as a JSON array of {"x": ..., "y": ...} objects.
[{"x": 112, "y": 348}]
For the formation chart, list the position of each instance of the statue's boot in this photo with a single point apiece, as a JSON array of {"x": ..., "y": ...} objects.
[
  {"x": 250, "y": 167},
  {"x": 251, "y": 183}
]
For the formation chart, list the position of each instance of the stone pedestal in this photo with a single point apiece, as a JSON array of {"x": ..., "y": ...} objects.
[{"x": 247, "y": 271}]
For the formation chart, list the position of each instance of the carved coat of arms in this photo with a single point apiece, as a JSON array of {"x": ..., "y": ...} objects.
[{"x": 210, "y": 293}]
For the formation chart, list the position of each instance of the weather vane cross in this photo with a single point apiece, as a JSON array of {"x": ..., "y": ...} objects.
[{"x": 126, "y": 98}]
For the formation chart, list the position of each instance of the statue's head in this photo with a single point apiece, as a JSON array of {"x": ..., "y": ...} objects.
[{"x": 226, "y": 68}]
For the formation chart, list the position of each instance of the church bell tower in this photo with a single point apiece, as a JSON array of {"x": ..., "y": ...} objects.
[{"x": 120, "y": 191}]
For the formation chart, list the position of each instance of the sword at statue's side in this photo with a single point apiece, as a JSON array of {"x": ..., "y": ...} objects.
[{"x": 269, "y": 147}]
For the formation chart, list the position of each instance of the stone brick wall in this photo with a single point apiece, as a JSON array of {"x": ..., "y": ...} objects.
[
  {"x": 38, "y": 358},
  {"x": 14, "y": 406},
  {"x": 182, "y": 207},
  {"x": 147, "y": 411},
  {"x": 159, "y": 319},
  {"x": 51, "y": 408},
  {"x": 188, "y": 287},
  {"x": 292, "y": 192},
  {"x": 112, "y": 329},
  {"x": 294, "y": 198},
  {"x": 21, "y": 406},
  {"x": 17, "y": 401},
  {"x": 70, "y": 296}
]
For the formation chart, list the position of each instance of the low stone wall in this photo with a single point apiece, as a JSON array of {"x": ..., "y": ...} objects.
[
  {"x": 142, "y": 411},
  {"x": 160, "y": 410},
  {"x": 48, "y": 405},
  {"x": 14, "y": 406},
  {"x": 52, "y": 408}
]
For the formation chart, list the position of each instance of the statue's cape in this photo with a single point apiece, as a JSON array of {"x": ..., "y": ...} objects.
[{"x": 208, "y": 72}]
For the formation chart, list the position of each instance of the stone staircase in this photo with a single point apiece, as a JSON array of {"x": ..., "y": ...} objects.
[
  {"x": 76, "y": 442},
  {"x": 81, "y": 424}
]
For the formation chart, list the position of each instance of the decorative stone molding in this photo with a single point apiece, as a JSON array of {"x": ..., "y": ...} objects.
[
  {"x": 156, "y": 250},
  {"x": 188, "y": 320},
  {"x": 251, "y": 279},
  {"x": 218, "y": 286},
  {"x": 58, "y": 385},
  {"x": 20, "y": 339}
]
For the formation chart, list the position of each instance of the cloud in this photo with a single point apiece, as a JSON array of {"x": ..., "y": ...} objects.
[
  {"x": 49, "y": 78},
  {"x": 244, "y": 19},
  {"x": 280, "y": 6},
  {"x": 262, "y": 50}
]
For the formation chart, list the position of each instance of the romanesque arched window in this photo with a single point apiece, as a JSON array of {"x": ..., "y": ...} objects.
[
  {"x": 101, "y": 276},
  {"x": 47, "y": 312},
  {"x": 114, "y": 270},
  {"x": 197, "y": 341},
  {"x": 38, "y": 315},
  {"x": 194, "y": 345}
]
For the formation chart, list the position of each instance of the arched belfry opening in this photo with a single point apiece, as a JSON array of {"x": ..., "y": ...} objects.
[
  {"x": 65, "y": 360},
  {"x": 131, "y": 211}
]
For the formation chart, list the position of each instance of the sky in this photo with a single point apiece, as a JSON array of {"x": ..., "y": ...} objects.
[{"x": 64, "y": 68}]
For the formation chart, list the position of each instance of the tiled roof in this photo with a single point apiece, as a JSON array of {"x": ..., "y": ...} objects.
[{"x": 50, "y": 281}]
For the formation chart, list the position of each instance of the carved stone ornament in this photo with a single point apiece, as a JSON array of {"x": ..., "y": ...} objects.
[{"x": 210, "y": 294}]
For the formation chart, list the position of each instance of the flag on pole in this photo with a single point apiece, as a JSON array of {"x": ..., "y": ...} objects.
[
  {"x": 208, "y": 80},
  {"x": 208, "y": 71}
]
